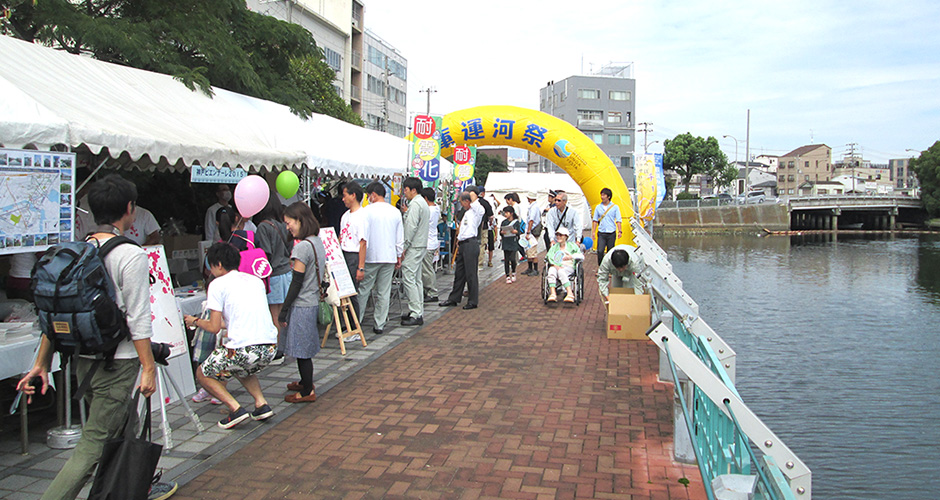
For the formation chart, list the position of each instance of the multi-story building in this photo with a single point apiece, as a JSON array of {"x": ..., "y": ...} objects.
[
  {"x": 603, "y": 107},
  {"x": 812, "y": 163},
  {"x": 361, "y": 76},
  {"x": 901, "y": 174},
  {"x": 385, "y": 71}
]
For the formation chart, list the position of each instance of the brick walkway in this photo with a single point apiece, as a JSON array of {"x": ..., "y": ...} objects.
[{"x": 512, "y": 400}]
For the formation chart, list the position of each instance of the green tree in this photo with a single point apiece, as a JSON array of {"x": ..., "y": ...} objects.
[
  {"x": 726, "y": 175},
  {"x": 687, "y": 156},
  {"x": 202, "y": 44},
  {"x": 927, "y": 168},
  {"x": 486, "y": 164}
]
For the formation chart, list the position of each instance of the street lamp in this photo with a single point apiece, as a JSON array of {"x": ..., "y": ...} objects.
[
  {"x": 646, "y": 148},
  {"x": 736, "y": 155}
]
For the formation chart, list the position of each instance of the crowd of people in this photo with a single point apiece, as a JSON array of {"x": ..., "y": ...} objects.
[{"x": 378, "y": 241}]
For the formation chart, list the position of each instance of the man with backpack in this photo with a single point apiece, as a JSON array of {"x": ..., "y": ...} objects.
[{"x": 113, "y": 200}]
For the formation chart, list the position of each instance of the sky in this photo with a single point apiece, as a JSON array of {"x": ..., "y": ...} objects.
[{"x": 810, "y": 72}]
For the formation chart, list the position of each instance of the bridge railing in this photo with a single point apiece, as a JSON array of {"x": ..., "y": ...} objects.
[{"x": 724, "y": 432}]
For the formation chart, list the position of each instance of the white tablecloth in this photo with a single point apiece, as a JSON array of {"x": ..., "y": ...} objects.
[
  {"x": 191, "y": 302},
  {"x": 16, "y": 355}
]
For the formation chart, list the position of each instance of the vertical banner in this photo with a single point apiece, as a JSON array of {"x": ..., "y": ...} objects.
[
  {"x": 165, "y": 315},
  {"x": 426, "y": 150},
  {"x": 660, "y": 180},
  {"x": 646, "y": 186},
  {"x": 464, "y": 162}
]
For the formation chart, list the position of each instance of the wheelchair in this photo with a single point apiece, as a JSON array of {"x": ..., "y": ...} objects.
[{"x": 576, "y": 278}]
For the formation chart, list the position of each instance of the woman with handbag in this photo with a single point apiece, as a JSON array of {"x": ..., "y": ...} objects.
[{"x": 299, "y": 313}]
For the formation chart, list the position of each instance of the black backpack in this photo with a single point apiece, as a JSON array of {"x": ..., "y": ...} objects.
[{"x": 75, "y": 297}]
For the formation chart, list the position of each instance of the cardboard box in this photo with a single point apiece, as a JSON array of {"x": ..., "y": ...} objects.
[
  {"x": 628, "y": 315},
  {"x": 177, "y": 246}
]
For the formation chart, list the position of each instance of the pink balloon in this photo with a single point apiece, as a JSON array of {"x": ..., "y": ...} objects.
[{"x": 251, "y": 195}]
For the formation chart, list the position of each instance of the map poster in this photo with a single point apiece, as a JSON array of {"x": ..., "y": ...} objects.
[
  {"x": 37, "y": 189},
  {"x": 339, "y": 273},
  {"x": 167, "y": 321}
]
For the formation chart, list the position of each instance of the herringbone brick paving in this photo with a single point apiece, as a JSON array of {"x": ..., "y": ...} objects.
[{"x": 515, "y": 399}]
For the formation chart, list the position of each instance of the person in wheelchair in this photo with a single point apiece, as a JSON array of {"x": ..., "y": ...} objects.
[{"x": 562, "y": 257}]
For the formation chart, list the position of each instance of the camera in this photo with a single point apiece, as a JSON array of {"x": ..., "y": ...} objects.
[{"x": 161, "y": 352}]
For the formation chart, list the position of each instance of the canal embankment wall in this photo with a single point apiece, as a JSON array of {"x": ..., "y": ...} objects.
[{"x": 727, "y": 218}]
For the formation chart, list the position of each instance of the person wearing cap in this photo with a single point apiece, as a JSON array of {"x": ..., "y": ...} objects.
[
  {"x": 561, "y": 259},
  {"x": 561, "y": 215},
  {"x": 606, "y": 224},
  {"x": 533, "y": 226}
]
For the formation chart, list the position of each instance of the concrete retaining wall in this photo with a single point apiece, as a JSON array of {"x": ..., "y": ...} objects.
[{"x": 768, "y": 216}]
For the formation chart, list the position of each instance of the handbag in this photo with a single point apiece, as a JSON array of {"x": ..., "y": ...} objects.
[
  {"x": 127, "y": 463},
  {"x": 203, "y": 342}
]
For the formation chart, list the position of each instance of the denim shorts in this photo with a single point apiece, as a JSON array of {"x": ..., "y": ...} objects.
[{"x": 279, "y": 285}]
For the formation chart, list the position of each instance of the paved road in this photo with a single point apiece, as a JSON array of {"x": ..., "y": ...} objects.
[{"x": 512, "y": 400}]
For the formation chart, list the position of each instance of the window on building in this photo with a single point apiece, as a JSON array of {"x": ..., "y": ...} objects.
[
  {"x": 564, "y": 95},
  {"x": 625, "y": 161},
  {"x": 376, "y": 57},
  {"x": 622, "y": 139},
  {"x": 333, "y": 58},
  {"x": 375, "y": 86},
  {"x": 590, "y": 114},
  {"x": 619, "y": 95},
  {"x": 597, "y": 137},
  {"x": 791, "y": 164},
  {"x": 790, "y": 178},
  {"x": 614, "y": 117},
  {"x": 789, "y": 191},
  {"x": 782, "y": 178},
  {"x": 806, "y": 164},
  {"x": 398, "y": 69},
  {"x": 589, "y": 94},
  {"x": 396, "y": 129},
  {"x": 900, "y": 171},
  {"x": 375, "y": 122},
  {"x": 806, "y": 178}
]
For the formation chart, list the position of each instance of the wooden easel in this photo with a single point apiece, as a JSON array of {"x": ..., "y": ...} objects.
[{"x": 345, "y": 305}]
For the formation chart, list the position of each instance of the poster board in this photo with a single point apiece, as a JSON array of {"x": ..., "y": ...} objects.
[
  {"x": 164, "y": 312},
  {"x": 339, "y": 273},
  {"x": 37, "y": 192}
]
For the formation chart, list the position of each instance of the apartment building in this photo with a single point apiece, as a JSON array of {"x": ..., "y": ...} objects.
[
  {"x": 384, "y": 97},
  {"x": 901, "y": 174},
  {"x": 812, "y": 163},
  {"x": 603, "y": 107}
]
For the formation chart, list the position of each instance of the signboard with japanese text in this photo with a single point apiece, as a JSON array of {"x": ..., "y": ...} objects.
[
  {"x": 339, "y": 273},
  {"x": 464, "y": 162},
  {"x": 37, "y": 190},
  {"x": 210, "y": 174},
  {"x": 166, "y": 318},
  {"x": 426, "y": 149}
]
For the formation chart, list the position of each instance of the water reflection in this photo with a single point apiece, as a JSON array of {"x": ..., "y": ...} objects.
[{"x": 838, "y": 348}]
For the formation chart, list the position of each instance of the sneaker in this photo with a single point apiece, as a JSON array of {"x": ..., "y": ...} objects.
[
  {"x": 263, "y": 413},
  {"x": 354, "y": 338},
  {"x": 278, "y": 359},
  {"x": 513, "y": 277},
  {"x": 215, "y": 401},
  {"x": 201, "y": 396},
  {"x": 162, "y": 491},
  {"x": 508, "y": 280},
  {"x": 234, "y": 418}
]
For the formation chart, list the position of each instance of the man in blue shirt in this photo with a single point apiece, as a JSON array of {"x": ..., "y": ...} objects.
[{"x": 607, "y": 224}]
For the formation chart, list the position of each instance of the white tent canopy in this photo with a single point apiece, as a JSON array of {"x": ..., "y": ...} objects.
[
  {"x": 51, "y": 97},
  {"x": 499, "y": 184}
]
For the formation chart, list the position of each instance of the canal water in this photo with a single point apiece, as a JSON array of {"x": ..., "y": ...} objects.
[{"x": 838, "y": 349}]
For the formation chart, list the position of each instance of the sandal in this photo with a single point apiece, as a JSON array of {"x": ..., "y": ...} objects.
[{"x": 297, "y": 398}]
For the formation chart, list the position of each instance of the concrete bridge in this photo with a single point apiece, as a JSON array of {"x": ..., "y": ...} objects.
[{"x": 793, "y": 213}]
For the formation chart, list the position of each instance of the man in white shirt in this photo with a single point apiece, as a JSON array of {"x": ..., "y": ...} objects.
[
  {"x": 350, "y": 234},
  {"x": 415, "y": 223},
  {"x": 223, "y": 195},
  {"x": 428, "y": 276},
  {"x": 384, "y": 244},
  {"x": 468, "y": 251},
  {"x": 561, "y": 215},
  {"x": 251, "y": 342},
  {"x": 533, "y": 220},
  {"x": 145, "y": 230}
]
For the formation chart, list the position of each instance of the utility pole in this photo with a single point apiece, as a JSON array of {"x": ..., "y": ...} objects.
[
  {"x": 388, "y": 93},
  {"x": 647, "y": 127},
  {"x": 429, "y": 90},
  {"x": 747, "y": 155},
  {"x": 851, "y": 147}
]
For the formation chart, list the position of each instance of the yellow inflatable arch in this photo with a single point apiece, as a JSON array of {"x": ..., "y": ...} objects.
[{"x": 547, "y": 136}]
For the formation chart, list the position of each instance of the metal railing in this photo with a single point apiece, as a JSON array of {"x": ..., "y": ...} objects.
[{"x": 722, "y": 428}]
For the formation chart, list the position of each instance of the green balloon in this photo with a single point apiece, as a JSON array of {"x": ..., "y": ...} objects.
[{"x": 287, "y": 184}]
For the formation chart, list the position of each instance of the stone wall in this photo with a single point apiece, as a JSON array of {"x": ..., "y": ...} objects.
[{"x": 770, "y": 216}]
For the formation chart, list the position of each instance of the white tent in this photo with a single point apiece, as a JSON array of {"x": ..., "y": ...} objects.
[
  {"x": 51, "y": 97},
  {"x": 499, "y": 184}
]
